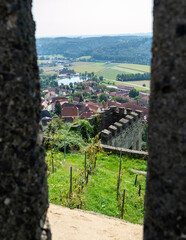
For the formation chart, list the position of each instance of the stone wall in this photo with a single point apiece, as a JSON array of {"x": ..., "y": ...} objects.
[
  {"x": 23, "y": 185},
  {"x": 165, "y": 202},
  {"x": 123, "y": 128}
]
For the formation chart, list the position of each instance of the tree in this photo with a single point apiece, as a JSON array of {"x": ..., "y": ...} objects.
[
  {"x": 102, "y": 97},
  {"x": 137, "y": 97},
  {"x": 103, "y": 102},
  {"x": 117, "y": 99},
  {"x": 101, "y": 78},
  {"x": 133, "y": 93},
  {"x": 57, "y": 108},
  {"x": 71, "y": 85},
  {"x": 79, "y": 95}
]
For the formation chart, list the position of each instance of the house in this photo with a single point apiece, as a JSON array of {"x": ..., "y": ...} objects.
[
  {"x": 70, "y": 112},
  {"x": 45, "y": 113},
  {"x": 76, "y": 100},
  {"x": 58, "y": 99},
  {"x": 86, "y": 115},
  {"x": 94, "y": 107},
  {"x": 50, "y": 95},
  {"x": 45, "y": 121},
  {"x": 44, "y": 105},
  {"x": 109, "y": 103},
  {"x": 82, "y": 108}
]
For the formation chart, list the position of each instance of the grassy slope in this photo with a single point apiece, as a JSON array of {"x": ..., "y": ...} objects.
[{"x": 100, "y": 193}]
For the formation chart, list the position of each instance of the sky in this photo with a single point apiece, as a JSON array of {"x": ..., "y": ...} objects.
[{"x": 55, "y": 18}]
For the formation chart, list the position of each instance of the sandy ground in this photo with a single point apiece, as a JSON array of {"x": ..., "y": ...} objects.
[{"x": 69, "y": 224}]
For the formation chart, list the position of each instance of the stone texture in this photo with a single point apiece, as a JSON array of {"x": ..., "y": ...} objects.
[
  {"x": 125, "y": 135},
  {"x": 165, "y": 203},
  {"x": 23, "y": 185}
]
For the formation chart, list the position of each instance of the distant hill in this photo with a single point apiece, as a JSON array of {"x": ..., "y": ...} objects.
[{"x": 129, "y": 49}]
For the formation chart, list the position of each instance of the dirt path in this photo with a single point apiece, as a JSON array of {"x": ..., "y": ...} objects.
[{"x": 69, "y": 224}]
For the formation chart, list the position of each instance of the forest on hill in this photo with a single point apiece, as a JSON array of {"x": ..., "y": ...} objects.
[{"x": 128, "y": 49}]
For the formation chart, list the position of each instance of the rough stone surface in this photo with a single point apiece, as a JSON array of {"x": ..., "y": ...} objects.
[
  {"x": 124, "y": 135},
  {"x": 165, "y": 203},
  {"x": 23, "y": 185}
]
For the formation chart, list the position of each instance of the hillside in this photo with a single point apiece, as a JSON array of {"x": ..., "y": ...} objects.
[{"x": 129, "y": 49}]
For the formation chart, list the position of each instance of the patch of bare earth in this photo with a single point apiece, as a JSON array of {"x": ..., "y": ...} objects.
[{"x": 67, "y": 224}]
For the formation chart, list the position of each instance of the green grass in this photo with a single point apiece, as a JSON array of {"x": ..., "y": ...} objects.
[
  {"x": 84, "y": 57},
  {"x": 116, "y": 83},
  {"x": 110, "y": 73},
  {"x": 127, "y": 70},
  {"x": 109, "y": 70},
  {"x": 81, "y": 67},
  {"x": 142, "y": 68},
  {"x": 99, "y": 194}
]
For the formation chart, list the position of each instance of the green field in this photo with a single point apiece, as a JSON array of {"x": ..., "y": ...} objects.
[
  {"x": 137, "y": 67},
  {"x": 99, "y": 195},
  {"x": 84, "y": 57},
  {"x": 89, "y": 67},
  {"x": 109, "y": 70},
  {"x": 138, "y": 84}
]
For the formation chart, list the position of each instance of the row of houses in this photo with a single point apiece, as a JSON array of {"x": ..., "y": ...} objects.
[{"x": 80, "y": 110}]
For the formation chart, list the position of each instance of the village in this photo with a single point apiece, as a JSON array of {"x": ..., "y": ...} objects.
[{"x": 84, "y": 99}]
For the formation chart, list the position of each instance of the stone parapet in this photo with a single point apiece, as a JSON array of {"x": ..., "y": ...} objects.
[
  {"x": 124, "y": 122},
  {"x": 130, "y": 118},
  {"x": 139, "y": 113},
  {"x": 126, "y": 132},
  {"x": 113, "y": 129},
  {"x": 134, "y": 115},
  {"x": 118, "y": 126}
]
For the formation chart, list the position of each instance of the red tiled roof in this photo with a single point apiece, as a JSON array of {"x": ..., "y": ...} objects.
[
  {"x": 86, "y": 114},
  {"x": 63, "y": 102},
  {"x": 135, "y": 107},
  {"x": 93, "y": 107},
  {"x": 44, "y": 104},
  {"x": 112, "y": 103},
  {"x": 70, "y": 111},
  {"x": 58, "y": 99},
  {"x": 76, "y": 99}
]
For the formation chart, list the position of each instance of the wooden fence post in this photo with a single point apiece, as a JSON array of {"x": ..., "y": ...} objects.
[
  {"x": 70, "y": 182},
  {"x": 85, "y": 166},
  {"x": 64, "y": 149},
  {"x": 123, "y": 202},
  {"x": 136, "y": 180},
  {"x": 118, "y": 183},
  {"x": 52, "y": 162},
  {"x": 139, "y": 190}
]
